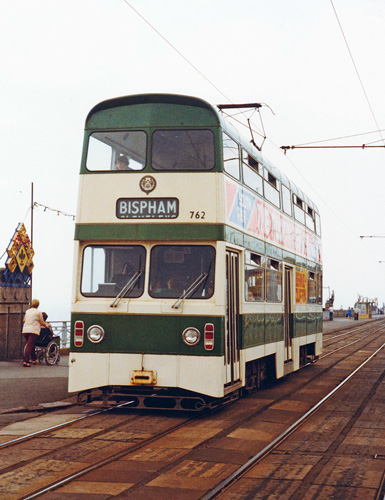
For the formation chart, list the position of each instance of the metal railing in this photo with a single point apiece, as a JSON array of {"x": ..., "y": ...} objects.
[{"x": 63, "y": 329}]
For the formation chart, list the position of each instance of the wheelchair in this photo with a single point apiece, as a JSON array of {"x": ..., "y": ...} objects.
[{"x": 47, "y": 349}]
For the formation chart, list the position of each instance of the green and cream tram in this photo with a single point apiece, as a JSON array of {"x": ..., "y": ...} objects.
[{"x": 198, "y": 271}]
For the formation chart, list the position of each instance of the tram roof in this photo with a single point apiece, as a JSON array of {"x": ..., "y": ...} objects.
[{"x": 221, "y": 120}]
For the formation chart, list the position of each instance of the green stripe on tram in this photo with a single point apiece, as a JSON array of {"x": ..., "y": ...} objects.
[
  {"x": 186, "y": 232},
  {"x": 143, "y": 232}
]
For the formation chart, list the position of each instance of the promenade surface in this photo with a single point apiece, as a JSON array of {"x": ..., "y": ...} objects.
[
  {"x": 337, "y": 323},
  {"x": 28, "y": 387}
]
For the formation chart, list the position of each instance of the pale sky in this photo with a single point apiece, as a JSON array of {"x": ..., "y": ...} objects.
[{"x": 60, "y": 58}]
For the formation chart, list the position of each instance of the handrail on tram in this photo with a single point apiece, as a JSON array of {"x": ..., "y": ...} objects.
[
  {"x": 190, "y": 290},
  {"x": 127, "y": 288}
]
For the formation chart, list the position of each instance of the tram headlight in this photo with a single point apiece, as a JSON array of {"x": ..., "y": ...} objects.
[
  {"x": 191, "y": 336},
  {"x": 95, "y": 334}
]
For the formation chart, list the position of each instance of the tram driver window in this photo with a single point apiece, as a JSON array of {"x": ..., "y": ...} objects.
[
  {"x": 254, "y": 278},
  {"x": 176, "y": 270},
  {"x": 106, "y": 148},
  {"x": 107, "y": 270},
  {"x": 273, "y": 281},
  {"x": 230, "y": 156}
]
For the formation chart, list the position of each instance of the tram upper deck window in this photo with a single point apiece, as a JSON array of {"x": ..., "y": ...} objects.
[
  {"x": 271, "y": 188},
  {"x": 299, "y": 214},
  {"x": 183, "y": 150},
  {"x": 286, "y": 200},
  {"x": 178, "y": 270},
  {"x": 254, "y": 278},
  {"x": 317, "y": 224},
  {"x": 107, "y": 270},
  {"x": 309, "y": 218},
  {"x": 104, "y": 148},
  {"x": 250, "y": 173},
  {"x": 230, "y": 156},
  {"x": 273, "y": 281}
]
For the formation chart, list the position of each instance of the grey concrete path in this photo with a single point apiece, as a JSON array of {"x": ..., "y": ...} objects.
[
  {"x": 337, "y": 323},
  {"x": 28, "y": 387}
]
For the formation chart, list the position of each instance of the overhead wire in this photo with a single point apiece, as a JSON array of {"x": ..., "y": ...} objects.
[
  {"x": 308, "y": 144},
  {"x": 176, "y": 50},
  {"x": 357, "y": 72},
  {"x": 339, "y": 138},
  {"x": 187, "y": 60},
  {"x": 228, "y": 99}
]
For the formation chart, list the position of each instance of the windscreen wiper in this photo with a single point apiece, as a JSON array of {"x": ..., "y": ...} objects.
[
  {"x": 190, "y": 290},
  {"x": 127, "y": 288}
]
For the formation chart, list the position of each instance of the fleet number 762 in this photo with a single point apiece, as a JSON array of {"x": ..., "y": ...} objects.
[{"x": 197, "y": 215}]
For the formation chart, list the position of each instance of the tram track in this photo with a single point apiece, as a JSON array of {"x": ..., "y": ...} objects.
[
  {"x": 261, "y": 407},
  {"x": 143, "y": 430},
  {"x": 352, "y": 342},
  {"x": 33, "y": 435},
  {"x": 216, "y": 492},
  {"x": 330, "y": 338}
]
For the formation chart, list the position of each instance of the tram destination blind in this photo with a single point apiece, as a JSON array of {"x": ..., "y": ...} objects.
[{"x": 147, "y": 208}]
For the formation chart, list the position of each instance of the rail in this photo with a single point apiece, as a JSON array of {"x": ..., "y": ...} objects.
[{"x": 63, "y": 329}]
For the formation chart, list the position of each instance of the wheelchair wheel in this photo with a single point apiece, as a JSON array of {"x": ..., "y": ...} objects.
[
  {"x": 39, "y": 353},
  {"x": 52, "y": 353}
]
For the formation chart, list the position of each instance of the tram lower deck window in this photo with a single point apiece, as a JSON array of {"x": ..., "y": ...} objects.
[
  {"x": 254, "y": 278},
  {"x": 311, "y": 288},
  {"x": 273, "y": 281}
]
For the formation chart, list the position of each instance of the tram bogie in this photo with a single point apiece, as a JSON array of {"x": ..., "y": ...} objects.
[{"x": 198, "y": 272}]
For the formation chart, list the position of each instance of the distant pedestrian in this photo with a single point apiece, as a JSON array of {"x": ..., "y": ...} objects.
[
  {"x": 331, "y": 310},
  {"x": 349, "y": 313},
  {"x": 33, "y": 322}
]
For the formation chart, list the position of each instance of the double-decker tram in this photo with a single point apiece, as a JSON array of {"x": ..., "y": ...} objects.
[{"x": 198, "y": 272}]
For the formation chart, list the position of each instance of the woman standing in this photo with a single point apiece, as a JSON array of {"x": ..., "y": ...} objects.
[{"x": 33, "y": 321}]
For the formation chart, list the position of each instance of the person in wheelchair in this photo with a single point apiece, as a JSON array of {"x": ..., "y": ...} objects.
[
  {"x": 47, "y": 345},
  {"x": 46, "y": 333}
]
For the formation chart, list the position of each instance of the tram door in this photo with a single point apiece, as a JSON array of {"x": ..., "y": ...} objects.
[
  {"x": 288, "y": 316},
  {"x": 232, "y": 318}
]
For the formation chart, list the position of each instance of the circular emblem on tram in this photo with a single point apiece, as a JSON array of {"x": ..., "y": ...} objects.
[{"x": 147, "y": 184}]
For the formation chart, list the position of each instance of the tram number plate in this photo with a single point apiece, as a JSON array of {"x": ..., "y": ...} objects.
[{"x": 147, "y": 208}]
